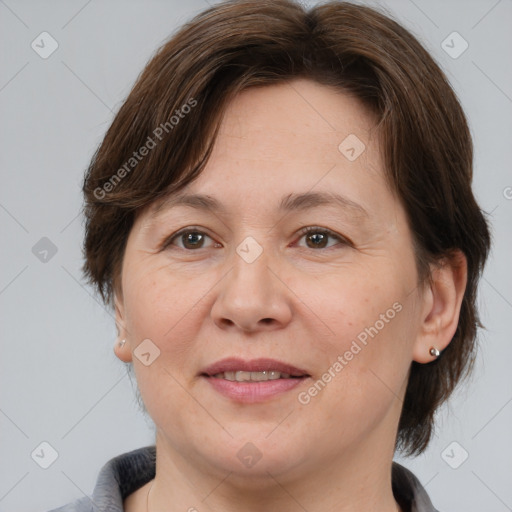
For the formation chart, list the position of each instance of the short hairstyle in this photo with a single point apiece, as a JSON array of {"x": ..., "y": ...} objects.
[{"x": 176, "y": 105}]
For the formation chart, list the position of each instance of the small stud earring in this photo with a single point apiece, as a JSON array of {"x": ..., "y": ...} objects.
[
  {"x": 434, "y": 352},
  {"x": 121, "y": 343}
]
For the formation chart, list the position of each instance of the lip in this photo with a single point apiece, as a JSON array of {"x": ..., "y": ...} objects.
[
  {"x": 253, "y": 392},
  {"x": 232, "y": 364}
]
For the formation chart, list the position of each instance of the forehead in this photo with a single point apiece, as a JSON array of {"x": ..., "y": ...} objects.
[
  {"x": 293, "y": 118},
  {"x": 291, "y": 137}
]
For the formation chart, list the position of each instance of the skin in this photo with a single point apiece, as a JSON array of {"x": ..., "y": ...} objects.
[{"x": 301, "y": 301}]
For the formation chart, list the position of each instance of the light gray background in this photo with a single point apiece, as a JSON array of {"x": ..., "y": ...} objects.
[{"x": 60, "y": 381}]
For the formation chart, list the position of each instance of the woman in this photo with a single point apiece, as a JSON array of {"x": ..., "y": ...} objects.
[{"x": 281, "y": 215}]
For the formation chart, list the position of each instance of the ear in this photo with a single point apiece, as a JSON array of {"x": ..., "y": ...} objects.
[
  {"x": 441, "y": 306},
  {"x": 122, "y": 351}
]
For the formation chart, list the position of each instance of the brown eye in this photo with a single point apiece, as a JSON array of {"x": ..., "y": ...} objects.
[
  {"x": 320, "y": 238},
  {"x": 192, "y": 240},
  {"x": 188, "y": 240},
  {"x": 317, "y": 240}
]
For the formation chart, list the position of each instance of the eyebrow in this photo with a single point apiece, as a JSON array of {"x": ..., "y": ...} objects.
[{"x": 289, "y": 203}]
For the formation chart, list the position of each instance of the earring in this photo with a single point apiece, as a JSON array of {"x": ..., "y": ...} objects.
[
  {"x": 121, "y": 343},
  {"x": 434, "y": 352}
]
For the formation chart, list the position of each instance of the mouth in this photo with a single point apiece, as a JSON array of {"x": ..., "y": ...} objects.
[
  {"x": 253, "y": 381},
  {"x": 241, "y": 376}
]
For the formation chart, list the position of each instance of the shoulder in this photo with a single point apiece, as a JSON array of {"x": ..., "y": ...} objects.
[
  {"x": 117, "y": 479},
  {"x": 80, "y": 505},
  {"x": 409, "y": 491}
]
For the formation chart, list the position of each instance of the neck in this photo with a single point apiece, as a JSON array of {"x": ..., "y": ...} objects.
[{"x": 359, "y": 479}]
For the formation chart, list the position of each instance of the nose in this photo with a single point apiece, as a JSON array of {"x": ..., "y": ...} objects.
[{"x": 252, "y": 297}]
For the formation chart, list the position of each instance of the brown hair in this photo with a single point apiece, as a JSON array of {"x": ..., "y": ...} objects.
[{"x": 234, "y": 45}]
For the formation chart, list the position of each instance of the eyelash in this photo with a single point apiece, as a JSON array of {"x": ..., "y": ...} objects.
[{"x": 304, "y": 231}]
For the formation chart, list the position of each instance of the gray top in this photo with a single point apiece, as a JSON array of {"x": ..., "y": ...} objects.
[{"x": 126, "y": 473}]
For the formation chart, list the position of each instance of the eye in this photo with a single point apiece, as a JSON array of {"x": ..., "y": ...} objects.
[
  {"x": 193, "y": 239},
  {"x": 318, "y": 238},
  {"x": 190, "y": 239}
]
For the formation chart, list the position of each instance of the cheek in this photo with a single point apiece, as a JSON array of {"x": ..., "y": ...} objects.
[
  {"x": 359, "y": 302},
  {"x": 371, "y": 318},
  {"x": 163, "y": 311},
  {"x": 166, "y": 310},
  {"x": 157, "y": 303}
]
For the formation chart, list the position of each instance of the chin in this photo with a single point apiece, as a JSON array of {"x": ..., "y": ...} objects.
[{"x": 254, "y": 462}]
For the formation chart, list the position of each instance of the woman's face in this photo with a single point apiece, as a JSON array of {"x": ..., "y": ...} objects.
[{"x": 339, "y": 304}]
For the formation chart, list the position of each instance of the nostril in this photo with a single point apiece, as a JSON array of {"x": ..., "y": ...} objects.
[{"x": 267, "y": 320}]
